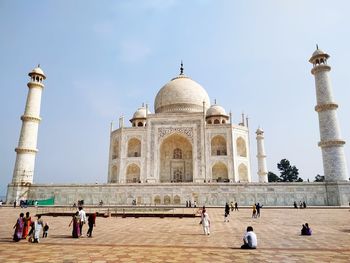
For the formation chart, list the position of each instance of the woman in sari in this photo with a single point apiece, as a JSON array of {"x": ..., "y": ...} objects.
[
  {"x": 76, "y": 225},
  {"x": 27, "y": 221},
  {"x": 18, "y": 228}
]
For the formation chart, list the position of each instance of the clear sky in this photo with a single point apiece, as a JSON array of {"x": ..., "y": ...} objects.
[{"x": 105, "y": 58}]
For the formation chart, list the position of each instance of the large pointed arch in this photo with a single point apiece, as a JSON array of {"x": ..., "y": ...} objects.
[
  {"x": 219, "y": 172},
  {"x": 175, "y": 159}
]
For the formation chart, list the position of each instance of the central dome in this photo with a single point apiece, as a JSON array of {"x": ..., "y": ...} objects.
[{"x": 181, "y": 94}]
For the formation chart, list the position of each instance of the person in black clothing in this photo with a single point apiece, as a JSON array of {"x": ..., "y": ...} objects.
[
  {"x": 258, "y": 206},
  {"x": 304, "y": 204},
  {"x": 236, "y": 206},
  {"x": 295, "y": 205},
  {"x": 227, "y": 212},
  {"x": 92, "y": 223}
]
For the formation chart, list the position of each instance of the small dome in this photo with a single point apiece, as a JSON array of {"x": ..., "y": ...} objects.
[
  {"x": 318, "y": 52},
  {"x": 140, "y": 113},
  {"x": 37, "y": 71},
  {"x": 181, "y": 94},
  {"x": 216, "y": 110},
  {"x": 259, "y": 131}
]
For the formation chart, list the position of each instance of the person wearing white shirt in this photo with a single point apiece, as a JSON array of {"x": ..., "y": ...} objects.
[
  {"x": 82, "y": 216},
  {"x": 250, "y": 239},
  {"x": 205, "y": 221}
]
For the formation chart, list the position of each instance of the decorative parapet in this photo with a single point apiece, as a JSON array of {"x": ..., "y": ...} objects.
[
  {"x": 33, "y": 84},
  {"x": 30, "y": 118},
  {"x": 319, "y": 68},
  {"x": 331, "y": 143},
  {"x": 25, "y": 150},
  {"x": 324, "y": 107}
]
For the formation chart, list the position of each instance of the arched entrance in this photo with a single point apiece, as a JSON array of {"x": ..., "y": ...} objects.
[{"x": 175, "y": 156}]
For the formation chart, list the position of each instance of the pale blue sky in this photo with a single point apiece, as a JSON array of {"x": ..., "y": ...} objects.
[{"x": 104, "y": 58}]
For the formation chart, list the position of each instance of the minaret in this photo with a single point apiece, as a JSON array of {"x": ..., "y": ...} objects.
[
  {"x": 26, "y": 150},
  {"x": 334, "y": 163},
  {"x": 262, "y": 170}
]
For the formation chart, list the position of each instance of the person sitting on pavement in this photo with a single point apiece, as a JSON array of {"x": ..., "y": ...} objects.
[
  {"x": 306, "y": 230},
  {"x": 250, "y": 240}
]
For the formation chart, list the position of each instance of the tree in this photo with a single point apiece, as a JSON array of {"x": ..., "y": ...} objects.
[
  {"x": 319, "y": 178},
  {"x": 273, "y": 177},
  {"x": 288, "y": 173}
]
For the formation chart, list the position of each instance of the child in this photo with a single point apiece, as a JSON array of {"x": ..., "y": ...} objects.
[{"x": 46, "y": 229}]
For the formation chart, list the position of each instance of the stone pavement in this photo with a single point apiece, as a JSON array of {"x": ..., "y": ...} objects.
[{"x": 181, "y": 240}]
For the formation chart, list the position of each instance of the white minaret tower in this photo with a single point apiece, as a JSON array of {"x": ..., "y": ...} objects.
[
  {"x": 26, "y": 150},
  {"x": 262, "y": 170},
  {"x": 334, "y": 163}
]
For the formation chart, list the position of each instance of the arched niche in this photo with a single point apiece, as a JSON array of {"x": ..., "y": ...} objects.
[
  {"x": 157, "y": 200},
  {"x": 243, "y": 173},
  {"x": 133, "y": 173},
  {"x": 177, "y": 200},
  {"x": 114, "y": 175},
  {"x": 241, "y": 147},
  {"x": 167, "y": 200},
  {"x": 115, "y": 149},
  {"x": 219, "y": 172},
  {"x": 218, "y": 146},
  {"x": 134, "y": 148}
]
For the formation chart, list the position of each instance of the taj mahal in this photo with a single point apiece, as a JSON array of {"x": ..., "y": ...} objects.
[
  {"x": 187, "y": 149},
  {"x": 186, "y": 140}
]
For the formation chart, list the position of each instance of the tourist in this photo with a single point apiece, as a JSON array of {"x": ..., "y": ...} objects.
[
  {"x": 101, "y": 203},
  {"x": 306, "y": 230},
  {"x": 249, "y": 239},
  {"x": 195, "y": 204},
  {"x": 189, "y": 203},
  {"x": 45, "y": 230},
  {"x": 76, "y": 225},
  {"x": 82, "y": 216},
  {"x": 74, "y": 205},
  {"x": 27, "y": 220},
  {"x": 91, "y": 223},
  {"x": 186, "y": 203},
  {"x": 14, "y": 204},
  {"x": 236, "y": 206},
  {"x": 38, "y": 225},
  {"x": 295, "y": 205},
  {"x": 18, "y": 228},
  {"x": 300, "y": 205},
  {"x": 227, "y": 213},
  {"x": 232, "y": 207},
  {"x": 258, "y": 207},
  {"x": 1, "y": 203},
  {"x": 304, "y": 204},
  {"x": 254, "y": 211},
  {"x": 205, "y": 221}
]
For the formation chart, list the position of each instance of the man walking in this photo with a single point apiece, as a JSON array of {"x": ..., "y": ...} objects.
[
  {"x": 91, "y": 223},
  {"x": 82, "y": 216}
]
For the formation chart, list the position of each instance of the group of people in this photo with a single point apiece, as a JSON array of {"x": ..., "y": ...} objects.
[
  {"x": 234, "y": 207},
  {"x": 26, "y": 228},
  {"x": 301, "y": 205},
  {"x": 79, "y": 219},
  {"x": 256, "y": 210},
  {"x": 189, "y": 204}
]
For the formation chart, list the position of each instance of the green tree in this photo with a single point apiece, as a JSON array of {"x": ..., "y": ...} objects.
[
  {"x": 319, "y": 178},
  {"x": 273, "y": 177},
  {"x": 288, "y": 173}
]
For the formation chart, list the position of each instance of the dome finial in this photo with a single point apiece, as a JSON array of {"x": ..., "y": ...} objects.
[
  {"x": 215, "y": 101},
  {"x": 317, "y": 46},
  {"x": 39, "y": 65},
  {"x": 182, "y": 68}
]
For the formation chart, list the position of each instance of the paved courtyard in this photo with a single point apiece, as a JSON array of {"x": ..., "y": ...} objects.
[{"x": 181, "y": 239}]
